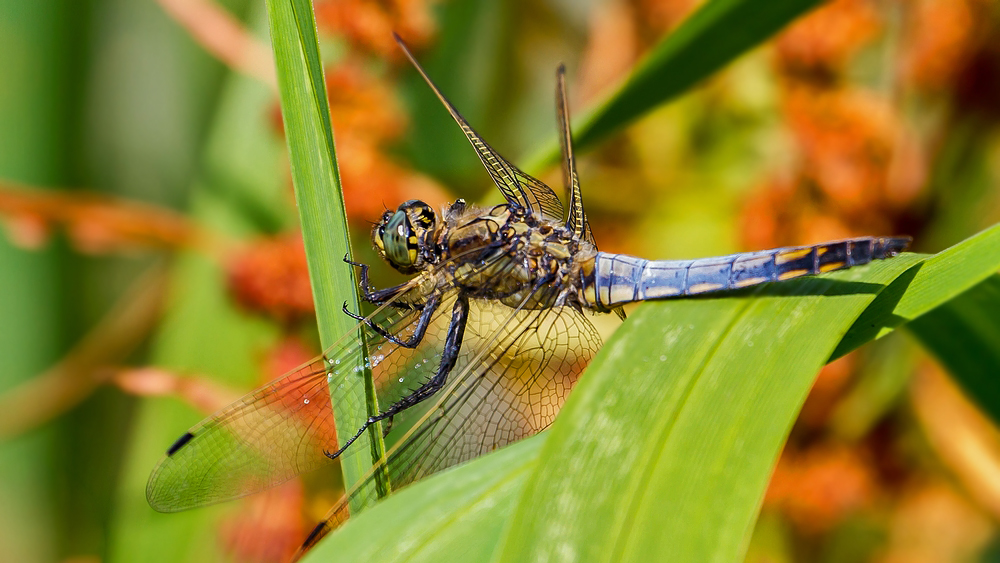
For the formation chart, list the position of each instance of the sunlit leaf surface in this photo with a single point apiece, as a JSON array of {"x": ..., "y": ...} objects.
[{"x": 666, "y": 445}]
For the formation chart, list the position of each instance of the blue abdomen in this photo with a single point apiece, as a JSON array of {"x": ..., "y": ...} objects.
[{"x": 619, "y": 278}]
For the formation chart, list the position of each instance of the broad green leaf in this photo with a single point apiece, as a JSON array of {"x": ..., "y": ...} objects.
[
  {"x": 309, "y": 134},
  {"x": 698, "y": 428},
  {"x": 715, "y": 35},
  {"x": 664, "y": 449},
  {"x": 964, "y": 335},
  {"x": 686, "y": 407}
]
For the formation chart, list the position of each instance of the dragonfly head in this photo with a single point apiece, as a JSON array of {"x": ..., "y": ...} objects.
[{"x": 401, "y": 234}]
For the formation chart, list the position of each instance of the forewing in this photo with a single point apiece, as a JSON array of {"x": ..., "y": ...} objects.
[
  {"x": 516, "y": 186},
  {"x": 576, "y": 221},
  {"x": 283, "y": 429}
]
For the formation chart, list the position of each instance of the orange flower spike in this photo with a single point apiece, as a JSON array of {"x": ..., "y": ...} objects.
[
  {"x": 268, "y": 528},
  {"x": 847, "y": 139},
  {"x": 819, "y": 487},
  {"x": 96, "y": 223},
  {"x": 940, "y": 41},
  {"x": 271, "y": 277},
  {"x": 361, "y": 106},
  {"x": 198, "y": 391},
  {"x": 763, "y": 222},
  {"x": 826, "y": 39},
  {"x": 369, "y": 25}
]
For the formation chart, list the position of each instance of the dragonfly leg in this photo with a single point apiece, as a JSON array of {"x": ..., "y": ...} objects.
[
  {"x": 418, "y": 331},
  {"x": 449, "y": 356},
  {"x": 369, "y": 293}
]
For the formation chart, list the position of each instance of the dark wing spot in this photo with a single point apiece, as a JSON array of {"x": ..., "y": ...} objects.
[
  {"x": 180, "y": 443},
  {"x": 318, "y": 532}
]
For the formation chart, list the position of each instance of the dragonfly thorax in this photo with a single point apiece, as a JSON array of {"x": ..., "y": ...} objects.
[{"x": 509, "y": 254}]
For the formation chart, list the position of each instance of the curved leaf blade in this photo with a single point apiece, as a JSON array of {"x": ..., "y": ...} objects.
[
  {"x": 687, "y": 407},
  {"x": 926, "y": 286},
  {"x": 712, "y": 37},
  {"x": 717, "y": 430}
]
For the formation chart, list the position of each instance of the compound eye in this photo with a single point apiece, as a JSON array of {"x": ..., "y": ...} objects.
[{"x": 398, "y": 240}]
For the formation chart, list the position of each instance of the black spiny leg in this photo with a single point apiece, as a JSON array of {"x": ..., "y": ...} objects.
[
  {"x": 449, "y": 356},
  {"x": 376, "y": 296},
  {"x": 418, "y": 333}
]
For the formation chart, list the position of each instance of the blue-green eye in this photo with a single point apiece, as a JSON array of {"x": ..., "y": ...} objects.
[
  {"x": 399, "y": 235},
  {"x": 399, "y": 240}
]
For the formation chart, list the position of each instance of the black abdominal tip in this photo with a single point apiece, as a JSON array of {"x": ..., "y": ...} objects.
[
  {"x": 895, "y": 245},
  {"x": 180, "y": 443}
]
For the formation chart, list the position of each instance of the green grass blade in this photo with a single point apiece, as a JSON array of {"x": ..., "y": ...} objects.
[
  {"x": 715, "y": 35},
  {"x": 964, "y": 335},
  {"x": 38, "y": 109},
  {"x": 309, "y": 134}
]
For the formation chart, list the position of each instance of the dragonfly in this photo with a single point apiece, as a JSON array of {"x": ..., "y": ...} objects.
[{"x": 477, "y": 350}]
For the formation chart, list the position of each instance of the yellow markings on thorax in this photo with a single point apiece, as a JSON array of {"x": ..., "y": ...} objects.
[
  {"x": 790, "y": 255},
  {"x": 518, "y": 227},
  {"x": 557, "y": 250},
  {"x": 492, "y": 226}
]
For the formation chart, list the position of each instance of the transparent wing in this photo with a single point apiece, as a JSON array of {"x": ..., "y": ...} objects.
[
  {"x": 516, "y": 369},
  {"x": 286, "y": 427},
  {"x": 283, "y": 429},
  {"x": 517, "y": 186},
  {"x": 576, "y": 220}
]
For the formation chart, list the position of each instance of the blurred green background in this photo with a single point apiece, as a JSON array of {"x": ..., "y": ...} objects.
[{"x": 150, "y": 268}]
